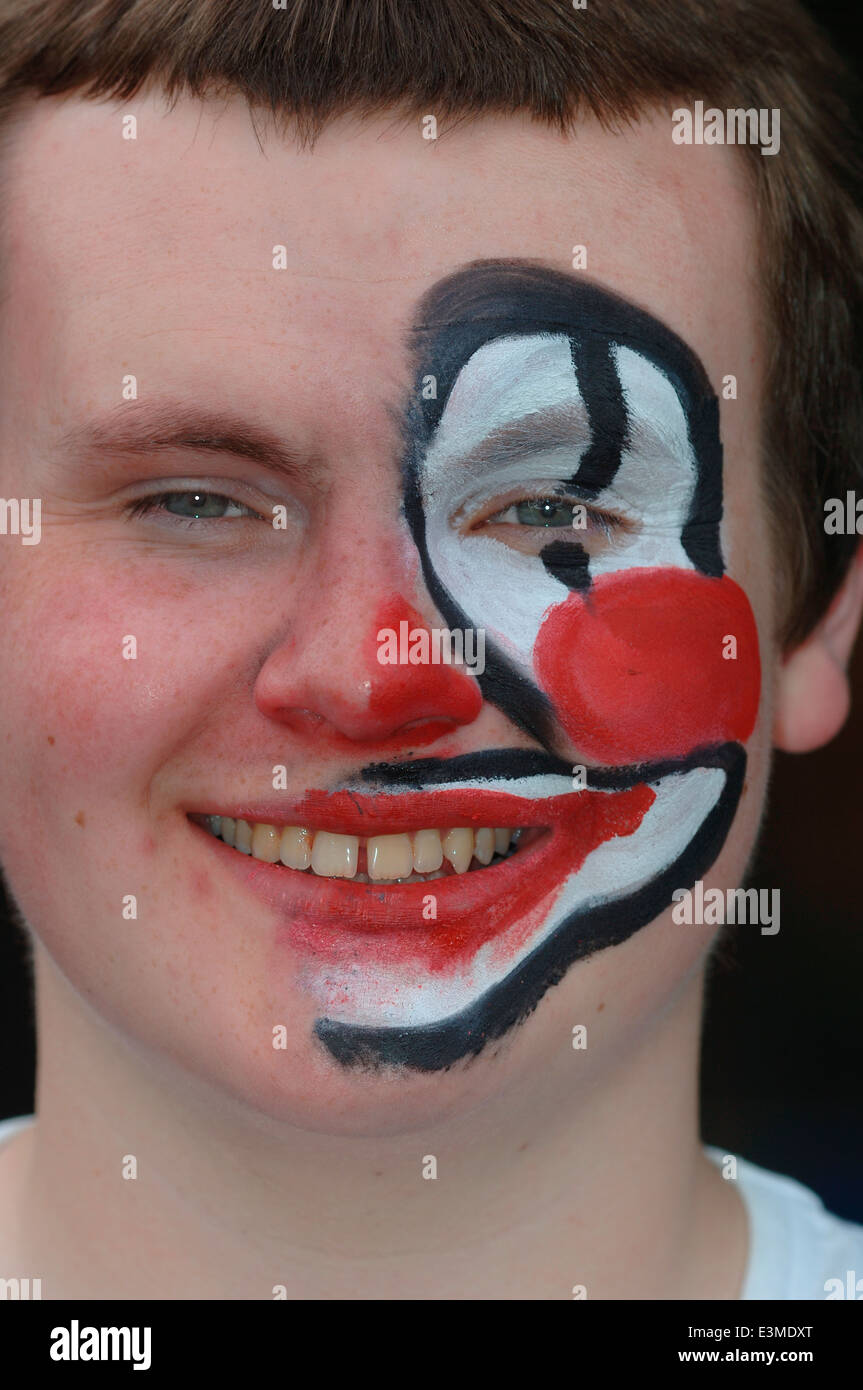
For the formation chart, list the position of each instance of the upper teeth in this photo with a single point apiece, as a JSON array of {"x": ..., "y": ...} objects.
[{"x": 388, "y": 857}]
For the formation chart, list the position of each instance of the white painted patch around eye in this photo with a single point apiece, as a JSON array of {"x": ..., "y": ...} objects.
[
  {"x": 496, "y": 586},
  {"x": 499, "y": 589},
  {"x": 658, "y": 471},
  {"x": 503, "y": 381}
]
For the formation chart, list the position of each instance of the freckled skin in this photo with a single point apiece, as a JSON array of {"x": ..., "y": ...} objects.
[
  {"x": 201, "y": 885},
  {"x": 239, "y": 640}
]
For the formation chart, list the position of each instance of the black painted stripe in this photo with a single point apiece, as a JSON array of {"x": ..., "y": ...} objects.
[{"x": 602, "y": 392}]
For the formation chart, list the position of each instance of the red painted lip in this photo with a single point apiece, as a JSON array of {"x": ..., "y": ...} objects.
[
  {"x": 338, "y": 920},
  {"x": 357, "y": 813}
]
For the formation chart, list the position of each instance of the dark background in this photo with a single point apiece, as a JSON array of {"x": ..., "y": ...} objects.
[
  {"x": 782, "y": 1060},
  {"x": 783, "y": 1041}
]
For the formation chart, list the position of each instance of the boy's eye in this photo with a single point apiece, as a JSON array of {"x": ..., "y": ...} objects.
[
  {"x": 521, "y": 521},
  {"x": 191, "y": 506},
  {"x": 538, "y": 511}
]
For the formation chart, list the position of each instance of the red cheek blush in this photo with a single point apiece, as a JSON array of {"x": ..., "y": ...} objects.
[{"x": 651, "y": 664}]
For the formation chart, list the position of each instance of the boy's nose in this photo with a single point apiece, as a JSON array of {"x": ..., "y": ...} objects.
[{"x": 335, "y": 686}]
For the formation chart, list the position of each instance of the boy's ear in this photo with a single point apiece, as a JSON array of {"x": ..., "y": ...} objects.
[{"x": 813, "y": 695}]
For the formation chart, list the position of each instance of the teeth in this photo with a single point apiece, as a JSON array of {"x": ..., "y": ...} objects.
[
  {"x": 458, "y": 849},
  {"x": 428, "y": 851},
  {"x": 400, "y": 858},
  {"x": 296, "y": 849},
  {"x": 228, "y": 830},
  {"x": 390, "y": 856},
  {"x": 484, "y": 847},
  {"x": 335, "y": 856},
  {"x": 265, "y": 843},
  {"x": 501, "y": 841}
]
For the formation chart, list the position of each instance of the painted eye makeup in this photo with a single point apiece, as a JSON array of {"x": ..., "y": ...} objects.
[{"x": 522, "y": 521}]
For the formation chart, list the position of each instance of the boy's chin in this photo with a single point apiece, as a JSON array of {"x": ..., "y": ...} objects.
[
  {"x": 305, "y": 1089},
  {"x": 619, "y": 995}
]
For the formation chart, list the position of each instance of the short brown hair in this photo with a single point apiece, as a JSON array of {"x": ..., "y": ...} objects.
[{"x": 310, "y": 60}]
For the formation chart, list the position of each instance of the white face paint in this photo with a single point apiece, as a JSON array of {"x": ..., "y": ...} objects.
[
  {"x": 657, "y": 475},
  {"x": 529, "y": 413},
  {"x": 529, "y": 384}
]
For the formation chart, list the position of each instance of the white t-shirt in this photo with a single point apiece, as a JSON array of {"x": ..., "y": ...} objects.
[{"x": 797, "y": 1249}]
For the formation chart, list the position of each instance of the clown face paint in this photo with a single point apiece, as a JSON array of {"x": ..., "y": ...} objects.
[{"x": 606, "y": 641}]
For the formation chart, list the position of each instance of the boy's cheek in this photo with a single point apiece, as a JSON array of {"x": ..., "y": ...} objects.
[
  {"x": 98, "y": 683},
  {"x": 651, "y": 665}
]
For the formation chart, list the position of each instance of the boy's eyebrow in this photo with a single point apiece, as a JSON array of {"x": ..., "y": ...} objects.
[
  {"x": 550, "y": 427},
  {"x": 159, "y": 426},
  {"x": 554, "y": 427}
]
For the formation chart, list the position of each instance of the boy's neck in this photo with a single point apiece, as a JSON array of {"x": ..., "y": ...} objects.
[{"x": 585, "y": 1172}]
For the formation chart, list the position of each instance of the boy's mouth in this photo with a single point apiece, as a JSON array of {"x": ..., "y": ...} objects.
[
  {"x": 348, "y": 873},
  {"x": 421, "y": 856},
  {"x": 428, "y": 966}
]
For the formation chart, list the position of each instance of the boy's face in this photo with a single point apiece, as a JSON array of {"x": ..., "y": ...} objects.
[{"x": 465, "y": 433}]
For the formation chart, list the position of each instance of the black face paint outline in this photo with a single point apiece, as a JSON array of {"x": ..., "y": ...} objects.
[
  {"x": 437, "y": 1046},
  {"x": 473, "y": 306}
]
